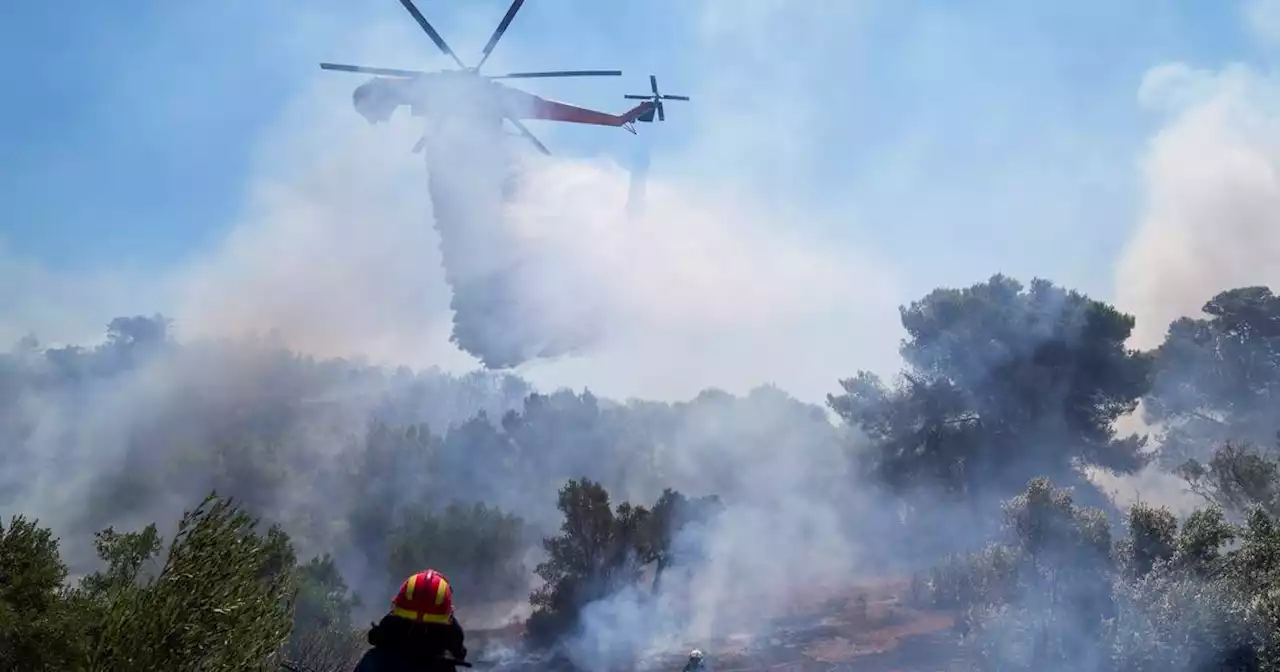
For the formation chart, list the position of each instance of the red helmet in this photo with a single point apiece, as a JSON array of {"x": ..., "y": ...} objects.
[{"x": 425, "y": 597}]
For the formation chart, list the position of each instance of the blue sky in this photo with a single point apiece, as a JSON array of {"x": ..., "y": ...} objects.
[
  {"x": 173, "y": 95},
  {"x": 951, "y": 139}
]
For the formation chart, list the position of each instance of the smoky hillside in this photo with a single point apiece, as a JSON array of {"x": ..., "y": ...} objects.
[
  {"x": 614, "y": 532},
  {"x": 343, "y": 454}
]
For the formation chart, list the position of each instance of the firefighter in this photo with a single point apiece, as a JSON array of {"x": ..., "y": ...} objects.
[
  {"x": 696, "y": 662},
  {"x": 418, "y": 631}
]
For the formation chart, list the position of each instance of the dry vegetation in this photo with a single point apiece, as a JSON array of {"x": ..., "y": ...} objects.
[{"x": 1008, "y": 391}]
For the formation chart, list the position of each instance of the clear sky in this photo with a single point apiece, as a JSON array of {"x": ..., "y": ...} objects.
[{"x": 942, "y": 140}]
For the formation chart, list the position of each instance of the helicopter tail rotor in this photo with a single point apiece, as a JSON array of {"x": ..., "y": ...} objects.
[{"x": 657, "y": 97}]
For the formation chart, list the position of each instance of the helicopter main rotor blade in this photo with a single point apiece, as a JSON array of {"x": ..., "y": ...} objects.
[
  {"x": 497, "y": 33},
  {"x": 636, "y": 96},
  {"x": 431, "y": 32},
  {"x": 392, "y": 72},
  {"x": 525, "y": 132},
  {"x": 558, "y": 73}
]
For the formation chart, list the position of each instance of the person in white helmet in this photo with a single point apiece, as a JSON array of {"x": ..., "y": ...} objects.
[{"x": 697, "y": 662}]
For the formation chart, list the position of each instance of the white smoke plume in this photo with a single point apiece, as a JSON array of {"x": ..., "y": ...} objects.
[
  {"x": 1211, "y": 216},
  {"x": 333, "y": 254}
]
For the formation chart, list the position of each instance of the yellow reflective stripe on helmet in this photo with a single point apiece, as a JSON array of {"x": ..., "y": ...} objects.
[
  {"x": 410, "y": 585},
  {"x": 444, "y": 585},
  {"x": 411, "y": 615}
]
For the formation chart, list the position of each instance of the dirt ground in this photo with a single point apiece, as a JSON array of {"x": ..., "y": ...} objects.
[{"x": 869, "y": 628}]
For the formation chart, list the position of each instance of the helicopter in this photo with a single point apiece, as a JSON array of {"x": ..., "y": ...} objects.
[{"x": 464, "y": 91}]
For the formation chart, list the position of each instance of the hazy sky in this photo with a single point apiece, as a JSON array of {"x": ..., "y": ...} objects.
[{"x": 839, "y": 157}]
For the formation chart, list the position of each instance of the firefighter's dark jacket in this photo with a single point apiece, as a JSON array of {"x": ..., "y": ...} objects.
[{"x": 401, "y": 645}]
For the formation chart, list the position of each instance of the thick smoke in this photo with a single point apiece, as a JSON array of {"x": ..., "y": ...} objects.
[
  {"x": 548, "y": 257},
  {"x": 1211, "y": 217},
  {"x": 334, "y": 255},
  {"x": 1208, "y": 219},
  {"x": 474, "y": 174},
  {"x": 785, "y": 535},
  {"x": 162, "y": 423},
  {"x": 129, "y": 432},
  {"x": 333, "y": 245}
]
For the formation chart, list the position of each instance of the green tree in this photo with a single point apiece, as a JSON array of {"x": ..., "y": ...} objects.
[
  {"x": 1175, "y": 598},
  {"x": 562, "y": 436},
  {"x": 38, "y": 629},
  {"x": 1068, "y": 552},
  {"x": 1217, "y": 378},
  {"x": 125, "y": 554},
  {"x": 1152, "y": 539},
  {"x": 597, "y": 553},
  {"x": 1001, "y": 384},
  {"x": 1202, "y": 607},
  {"x": 478, "y": 460},
  {"x": 603, "y": 550},
  {"x": 480, "y": 548},
  {"x": 221, "y": 601},
  {"x": 393, "y": 471},
  {"x": 1200, "y": 541},
  {"x": 323, "y": 638},
  {"x": 323, "y": 601},
  {"x": 1041, "y": 598},
  {"x": 671, "y": 516},
  {"x": 1237, "y": 477}
]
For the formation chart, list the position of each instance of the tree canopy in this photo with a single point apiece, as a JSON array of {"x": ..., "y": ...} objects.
[
  {"x": 220, "y": 599},
  {"x": 603, "y": 549},
  {"x": 1002, "y": 383},
  {"x": 572, "y": 503},
  {"x": 1217, "y": 377}
]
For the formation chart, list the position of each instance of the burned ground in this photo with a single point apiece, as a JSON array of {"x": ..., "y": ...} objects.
[{"x": 867, "y": 628}]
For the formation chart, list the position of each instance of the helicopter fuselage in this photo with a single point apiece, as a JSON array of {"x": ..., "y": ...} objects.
[
  {"x": 436, "y": 96},
  {"x": 465, "y": 94},
  {"x": 452, "y": 94}
]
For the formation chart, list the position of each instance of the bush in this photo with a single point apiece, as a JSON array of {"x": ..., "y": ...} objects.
[
  {"x": 478, "y": 547},
  {"x": 38, "y": 628},
  {"x": 602, "y": 550},
  {"x": 221, "y": 601},
  {"x": 323, "y": 600},
  {"x": 323, "y": 638},
  {"x": 1059, "y": 595},
  {"x": 597, "y": 553},
  {"x": 982, "y": 578}
]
